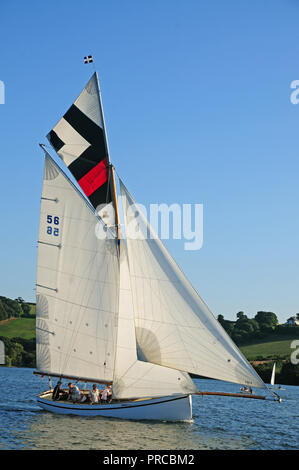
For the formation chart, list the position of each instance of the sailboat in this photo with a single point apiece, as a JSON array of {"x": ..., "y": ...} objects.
[
  {"x": 272, "y": 382},
  {"x": 111, "y": 307}
]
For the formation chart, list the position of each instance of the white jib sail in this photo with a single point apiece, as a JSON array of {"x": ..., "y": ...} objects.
[
  {"x": 174, "y": 327},
  {"x": 77, "y": 285},
  {"x": 134, "y": 378}
]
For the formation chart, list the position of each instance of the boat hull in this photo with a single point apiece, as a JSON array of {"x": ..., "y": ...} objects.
[{"x": 170, "y": 408}]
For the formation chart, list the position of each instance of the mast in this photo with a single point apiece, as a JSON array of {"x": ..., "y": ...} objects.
[
  {"x": 116, "y": 206},
  {"x": 103, "y": 118},
  {"x": 111, "y": 167}
]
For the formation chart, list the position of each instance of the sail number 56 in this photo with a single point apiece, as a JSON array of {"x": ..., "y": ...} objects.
[{"x": 50, "y": 229}]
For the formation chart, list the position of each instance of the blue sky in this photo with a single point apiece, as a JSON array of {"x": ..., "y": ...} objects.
[{"x": 197, "y": 104}]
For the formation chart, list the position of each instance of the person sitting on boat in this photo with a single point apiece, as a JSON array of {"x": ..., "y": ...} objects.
[
  {"x": 106, "y": 394},
  {"x": 57, "y": 392},
  {"x": 74, "y": 393},
  {"x": 94, "y": 394}
]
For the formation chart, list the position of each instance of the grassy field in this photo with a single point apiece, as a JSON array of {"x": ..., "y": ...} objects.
[
  {"x": 278, "y": 349},
  {"x": 22, "y": 327}
]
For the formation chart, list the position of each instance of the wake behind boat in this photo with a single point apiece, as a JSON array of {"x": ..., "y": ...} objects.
[{"x": 115, "y": 310}]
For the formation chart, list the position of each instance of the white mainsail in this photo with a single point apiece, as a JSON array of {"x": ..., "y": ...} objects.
[
  {"x": 134, "y": 378},
  {"x": 174, "y": 327},
  {"x": 77, "y": 285}
]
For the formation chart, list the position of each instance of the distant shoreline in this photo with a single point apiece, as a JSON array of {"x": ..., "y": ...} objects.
[{"x": 269, "y": 345}]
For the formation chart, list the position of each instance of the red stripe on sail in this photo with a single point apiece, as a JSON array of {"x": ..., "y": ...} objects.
[{"x": 94, "y": 178}]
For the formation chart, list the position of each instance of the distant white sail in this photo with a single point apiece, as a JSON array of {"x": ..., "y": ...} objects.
[
  {"x": 174, "y": 327},
  {"x": 134, "y": 378},
  {"x": 77, "y": 285},
  {"x": 273, "y": 374}
]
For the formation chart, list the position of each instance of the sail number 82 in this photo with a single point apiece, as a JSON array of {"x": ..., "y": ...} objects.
[{"x": 50, "y": 229}]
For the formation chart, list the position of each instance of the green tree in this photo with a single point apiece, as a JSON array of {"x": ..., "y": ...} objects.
[
  {"x": 255, "y": 324},
  {"x": 26, "y": 309},
  {"x": 266, "y": 320},
  {"x": 12, "y": 307},
  {"x": 238, "y": 336},
  {"x": 16, "y": 354},
  {"x": 28, "y": 359},
  {"x": 3, "y": 314},
  {"x": 24, "y": 306},
  {"x": 13, "y": 352},
  {"x": 289, "y": 374},
  {"x": 227, "y": 325},
  {"x": 241, "y": 316},
  {"x": 246, "y": 327}
]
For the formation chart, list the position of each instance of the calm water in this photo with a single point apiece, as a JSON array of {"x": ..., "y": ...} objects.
[{"x": 219, "y": 422}]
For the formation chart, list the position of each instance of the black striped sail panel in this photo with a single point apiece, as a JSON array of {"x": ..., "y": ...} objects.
[{"x": 78, "y": 138}]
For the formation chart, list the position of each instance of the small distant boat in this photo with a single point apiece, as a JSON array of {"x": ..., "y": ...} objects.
[{"x": 278, "y": 387}]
